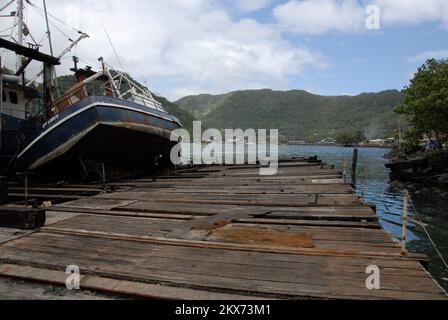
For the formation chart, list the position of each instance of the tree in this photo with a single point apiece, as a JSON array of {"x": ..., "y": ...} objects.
[
  {"x": 426, "y": 101},
  {"x": 349, "y": 138}
]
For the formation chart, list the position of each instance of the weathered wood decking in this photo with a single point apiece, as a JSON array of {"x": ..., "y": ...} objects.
[{"x": 218, "y": 233}]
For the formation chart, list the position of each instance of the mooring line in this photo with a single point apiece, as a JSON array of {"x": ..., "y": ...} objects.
[{"x": 427, "y": 233}]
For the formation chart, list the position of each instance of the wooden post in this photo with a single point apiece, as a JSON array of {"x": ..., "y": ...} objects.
[
  {"x": 345, "y": 171},
  {"x": 85, "y": 169},
  {"x": 354, "y": 165},
  {"x": 104, "y": 176},
  {"x": 3, "y": 190},
  {"x": 26, "y": 187},
  {"x": 363, "y": 184},
  {"x": 405, "y": 221}
]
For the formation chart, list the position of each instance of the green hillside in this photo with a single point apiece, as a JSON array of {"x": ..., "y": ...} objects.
[
  {"x": 183, "y": 115},
  {"x": 298, "y": 114}
]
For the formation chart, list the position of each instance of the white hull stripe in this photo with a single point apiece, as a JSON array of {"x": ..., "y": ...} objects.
[
  {"x": 43, "y": 134},
  {"x": 61, "y": 149}
]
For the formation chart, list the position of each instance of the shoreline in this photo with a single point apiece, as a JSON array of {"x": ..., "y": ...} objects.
[
  {"x": 339, "y": 146},
  {"x": 420, "y": 172}
]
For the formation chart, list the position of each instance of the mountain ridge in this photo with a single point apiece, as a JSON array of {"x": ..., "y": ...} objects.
[{"x": 298, "y": 114}]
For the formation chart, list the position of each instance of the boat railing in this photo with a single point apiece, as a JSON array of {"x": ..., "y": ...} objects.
[
  {"x": 125, "y": 88},
  {"x": 119, "y": 86},
  {"x": 113, "y": 83}
]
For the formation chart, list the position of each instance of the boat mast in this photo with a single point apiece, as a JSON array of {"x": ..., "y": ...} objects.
[
  {"x": 48, "y": 27},
  {"x": 19, "y": 31},
  {"x": 55, "y": 77}
]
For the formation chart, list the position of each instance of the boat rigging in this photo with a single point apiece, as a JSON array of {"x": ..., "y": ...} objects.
[{"x": 69, "y": 135}]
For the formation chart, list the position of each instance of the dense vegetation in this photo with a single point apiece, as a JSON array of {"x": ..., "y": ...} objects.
[
  {"x": 299, "y": 114},
  {"x": 350, "y": 137},
  {"x": 183, "y": 115},
  {"x": 426, "y": 104}
]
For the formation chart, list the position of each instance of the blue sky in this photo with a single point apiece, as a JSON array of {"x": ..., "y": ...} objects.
[
  {"x": 373, "y": 61},
  {"x": 184, "y": 47},
  {"x": 368, "y": 61}
]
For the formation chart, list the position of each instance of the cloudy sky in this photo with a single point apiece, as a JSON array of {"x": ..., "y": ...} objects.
[{"x": 183, "y": 47}]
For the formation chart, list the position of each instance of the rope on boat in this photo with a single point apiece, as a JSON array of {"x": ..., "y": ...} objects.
[
  {"x": 54, "y": 17},
  {"x": 427, "y": 234},
  {"x": 7, "y": 5}
]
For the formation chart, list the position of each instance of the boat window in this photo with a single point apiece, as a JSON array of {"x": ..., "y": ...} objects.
[
  {"x": 13, "y": 97},
  {"x": 3, "y": 96}
]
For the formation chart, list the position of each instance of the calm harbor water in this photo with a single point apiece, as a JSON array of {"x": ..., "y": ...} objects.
[{"x": 432, "y": 211}]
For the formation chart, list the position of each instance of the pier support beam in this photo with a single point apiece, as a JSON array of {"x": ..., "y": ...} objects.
[
  {"x": 354, "y": 165},
  {"x": 3, "y": 190},
  {"x": 405, "y": 222}
]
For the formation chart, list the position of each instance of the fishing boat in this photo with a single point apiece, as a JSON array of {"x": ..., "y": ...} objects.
[{"x": 105, "y": 126}]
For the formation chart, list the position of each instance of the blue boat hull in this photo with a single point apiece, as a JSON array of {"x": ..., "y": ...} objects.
[
  {"x": 11, "y": 140},
  {"x": 122, "y": 136}
]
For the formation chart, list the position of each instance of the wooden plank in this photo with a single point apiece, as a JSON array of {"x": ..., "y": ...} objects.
[
  {"x": 251, "y": 189},
  {"x": 97, "y": 204},
  {"x": 121, "y": 213},
  {"x": 295, "y": 222},
  {"x": 111, "y": 286},
  {"x": 60, "y": 190},
  {"x": 233, "y": 246},
  {"x": 19, "y": 289},
  {"x": 229, "y": 279},
  {"x": 53, "y": 243},
  {"x": 281, "y": 200},
  {"x": 145, "y": 226}
]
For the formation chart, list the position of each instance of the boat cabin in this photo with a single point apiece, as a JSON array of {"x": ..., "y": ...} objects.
[
  {"x": 19, "y": 101},
  {"x": 13, "y": 103}
]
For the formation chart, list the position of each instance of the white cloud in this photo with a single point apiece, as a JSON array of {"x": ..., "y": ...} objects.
[
  {"x": 349, "y": 16},
  {"x": 321, "y": 16},
  {"x": 422, "y": 57},
  {"x": 413, "y": 12},
  {"x": 182, "y": 46},
  {"x": 196, "y": 46}
]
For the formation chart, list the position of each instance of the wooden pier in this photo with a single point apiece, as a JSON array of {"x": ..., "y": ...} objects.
[{"x": 219, "y": 232}]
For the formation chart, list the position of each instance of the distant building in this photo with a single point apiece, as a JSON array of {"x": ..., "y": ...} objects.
[
  {"x": 297, "y": 143},
  {"x": 378, "y": 142}
]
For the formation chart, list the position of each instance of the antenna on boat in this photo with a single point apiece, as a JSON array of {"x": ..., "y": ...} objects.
[
  {"x": 6, "y": 6},
  {"x": 113, "y": 48}
]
